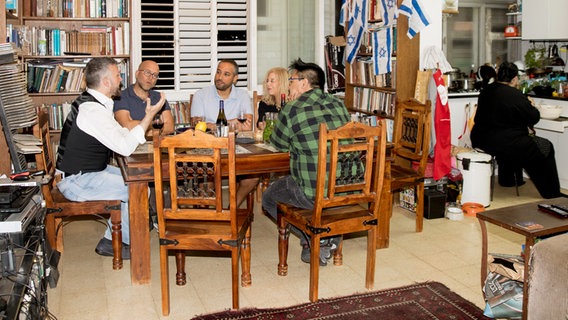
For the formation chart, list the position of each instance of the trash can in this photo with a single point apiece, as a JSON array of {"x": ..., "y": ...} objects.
[{"x": 476, "y": 171}]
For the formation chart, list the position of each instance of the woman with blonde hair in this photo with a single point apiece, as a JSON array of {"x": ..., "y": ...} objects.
[{"x": 275, "y": 84}]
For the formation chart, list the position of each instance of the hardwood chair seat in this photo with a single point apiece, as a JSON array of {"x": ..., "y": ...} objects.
[{"x": 60, "y": 208}]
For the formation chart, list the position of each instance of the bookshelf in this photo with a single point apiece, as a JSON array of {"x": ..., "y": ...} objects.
[
  {"x": 57, "y": 38},
  {"x": 378, "y": 95}
]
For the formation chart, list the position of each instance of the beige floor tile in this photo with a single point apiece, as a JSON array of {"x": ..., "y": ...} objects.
[{"x": 446, "y": 251}]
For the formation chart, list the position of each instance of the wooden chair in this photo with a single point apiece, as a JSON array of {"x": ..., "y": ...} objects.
[
  {"x": 347, "y": 196},
  {"x": 196, "y": 219},
  {"x": 411, "y": 143},
  {"x": 60, "y": 210}
]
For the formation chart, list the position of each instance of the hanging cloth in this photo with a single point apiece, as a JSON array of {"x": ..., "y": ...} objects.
[{"x": 442, "y": 125}]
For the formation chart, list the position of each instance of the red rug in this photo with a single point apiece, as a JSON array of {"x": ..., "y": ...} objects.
[{"x": 430, "y": 300}]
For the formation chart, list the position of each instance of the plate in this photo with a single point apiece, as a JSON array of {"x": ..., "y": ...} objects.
[{"x": 244, "y": 140}]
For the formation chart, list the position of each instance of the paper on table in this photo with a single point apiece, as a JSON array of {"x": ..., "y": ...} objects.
[
  {"x": 267, "y": 146},
  {"x": 146, "y": 147}
]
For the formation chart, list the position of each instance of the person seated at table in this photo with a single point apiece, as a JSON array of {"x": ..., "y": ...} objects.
[
  {"x": 130, "y": 107},
  {"x": 275, "y": 84},
  {"x": 509, "y": 174},
  {"x": 297, "y": 131},
  {"x": 205, "y": 104},
  {"x": 89, "y": 136},
  {"x": 503, "y": 128}
]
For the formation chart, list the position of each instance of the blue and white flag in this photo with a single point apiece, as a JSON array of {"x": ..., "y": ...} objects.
[
  {"x": 344, "y": 13},
  {"x": 418, "y": 19},
  {"x": 390, "y": 12},
  {"x": 382, "y": 51},
  {"x": 357, "y": 26}
]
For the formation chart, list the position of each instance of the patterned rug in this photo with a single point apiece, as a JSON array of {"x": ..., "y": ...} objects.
[{"x": 430, "y": 300}]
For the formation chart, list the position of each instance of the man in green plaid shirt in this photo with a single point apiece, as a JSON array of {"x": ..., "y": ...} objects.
[{"x": 297, "y": 131}]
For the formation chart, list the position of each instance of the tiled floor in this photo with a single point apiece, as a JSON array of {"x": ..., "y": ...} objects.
[{"x": 446, "y": 251}]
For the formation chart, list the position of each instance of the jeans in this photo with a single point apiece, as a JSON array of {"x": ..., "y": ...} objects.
[
  {"x": 102, "y": 185},
  {"x": 286, "y": 190}
]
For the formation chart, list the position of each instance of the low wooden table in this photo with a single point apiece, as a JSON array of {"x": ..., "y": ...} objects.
[{"x": 508, "y": 218}]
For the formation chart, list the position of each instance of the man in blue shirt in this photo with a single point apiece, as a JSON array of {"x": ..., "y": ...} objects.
[
  {"x": 129, "y": 109},
  {"x": 205, "y": 104}
]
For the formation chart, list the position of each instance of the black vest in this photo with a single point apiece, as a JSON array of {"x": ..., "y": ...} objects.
[{"x": 78, "y": 151}]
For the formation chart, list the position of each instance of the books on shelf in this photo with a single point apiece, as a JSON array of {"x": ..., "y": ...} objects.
[
  {"x": 86, "y": 40},
  {"x": 180, "y": 111},
  {"x": 371, "y": 100},
  {"x": 57, "y": 114},
  {"x": 55, "y": 76},
  {"x": 79, "y": 8}
]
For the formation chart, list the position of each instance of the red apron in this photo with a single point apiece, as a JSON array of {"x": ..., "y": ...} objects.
[{"x": 442, "y": 149}]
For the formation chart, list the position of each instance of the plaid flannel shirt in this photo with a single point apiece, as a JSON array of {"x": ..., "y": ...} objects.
[{"x": 297, "y": 131}]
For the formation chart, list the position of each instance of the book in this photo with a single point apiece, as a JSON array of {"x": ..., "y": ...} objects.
[{"x": 529, "y": 225}]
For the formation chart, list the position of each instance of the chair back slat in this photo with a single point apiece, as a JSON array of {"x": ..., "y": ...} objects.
[
  {"x": 194, "y": 175},
  {"x": 412, "y": 134},
  {"x": 353, "y": 171}
]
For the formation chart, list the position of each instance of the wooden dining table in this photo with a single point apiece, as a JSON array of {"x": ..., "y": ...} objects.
[{"x": 138, "y": 171}]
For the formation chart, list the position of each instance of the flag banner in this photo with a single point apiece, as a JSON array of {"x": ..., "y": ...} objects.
[
  {"x": 357, "y": 26},
  {"x": 418, "y": 19},
  {"x": 382, "y": 51}
]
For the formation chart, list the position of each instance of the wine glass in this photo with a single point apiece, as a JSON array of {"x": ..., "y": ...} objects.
[
  {"x": 242, "y": 118},
  {"x": 158, "y": 122}
]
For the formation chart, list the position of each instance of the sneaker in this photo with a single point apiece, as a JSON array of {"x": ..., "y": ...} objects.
[
  {"x": 104, "y": 248},
  {"x": 326, "y": 248}
]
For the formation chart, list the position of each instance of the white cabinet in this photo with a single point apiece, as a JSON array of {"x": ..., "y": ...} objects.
[{"x": 545, "y": 20}]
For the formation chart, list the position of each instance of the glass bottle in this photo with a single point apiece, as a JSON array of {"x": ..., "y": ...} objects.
[
  {"x": 282, "y": 101},
  {"x": 222, "y": 129}
]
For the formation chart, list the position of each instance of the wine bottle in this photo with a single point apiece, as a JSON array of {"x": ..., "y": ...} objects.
[
  {"x": 282, "y": 101},
  {"x": 222, "y": 129}
]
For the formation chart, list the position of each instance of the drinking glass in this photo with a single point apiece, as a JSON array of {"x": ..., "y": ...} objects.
[{"x": 158, "y": 122}]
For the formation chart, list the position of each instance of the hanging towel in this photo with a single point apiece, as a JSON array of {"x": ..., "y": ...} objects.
[
  {"x": 434, "y": 58},
  {"x": 382, "y": 51},
  {"x": 357, "y": 26},
  {"x": 442, "y": 149},
  {"x": 418, "y": 19}
]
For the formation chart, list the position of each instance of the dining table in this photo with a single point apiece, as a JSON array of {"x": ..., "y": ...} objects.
[{"x": 138, "y": 172}]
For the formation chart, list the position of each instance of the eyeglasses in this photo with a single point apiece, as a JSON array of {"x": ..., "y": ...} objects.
[
  {"x": 149, "y": 74},
  {"x": 293, "y": 78}
]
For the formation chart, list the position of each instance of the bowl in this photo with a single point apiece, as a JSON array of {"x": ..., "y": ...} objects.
[
  {"x": 470, "y": 209},
  {"x": 548, "y": 111}
]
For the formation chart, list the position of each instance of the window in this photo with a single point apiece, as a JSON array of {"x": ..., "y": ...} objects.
[
  {"x": 475, "y": 36},
  {"x": 188, "y": 37}
]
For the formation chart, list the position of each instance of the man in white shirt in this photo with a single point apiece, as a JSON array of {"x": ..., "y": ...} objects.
[{"x": 89, "y": 137}]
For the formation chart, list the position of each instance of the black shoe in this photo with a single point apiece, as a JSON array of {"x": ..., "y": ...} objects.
[{"x": 104, "y": 248}]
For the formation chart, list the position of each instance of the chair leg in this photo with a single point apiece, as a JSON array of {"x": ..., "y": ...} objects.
[
  {"x": 246, "y": 279},
  {"x": 235, "y": 276},
  {"x": 371, "y": 258},
  {"x": 283, "y": 237},
  {"x": 314, "y": 267},
  {"x": 338, "y": 254},
  {"x": 419, "y": 207},
  {"x": 181, "y": 278},
  {"x": 50, "y": 230},
  {"x": 116, "y": 235},
  {"x": 59, "y": 234},
  {"x": 164, "y": 275}
]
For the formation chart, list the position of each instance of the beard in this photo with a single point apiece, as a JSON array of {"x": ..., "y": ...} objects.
[{"x": 117, "y": 92}]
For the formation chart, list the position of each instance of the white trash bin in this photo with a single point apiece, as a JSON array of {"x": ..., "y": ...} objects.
[{"x": 476, "y": 171}]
